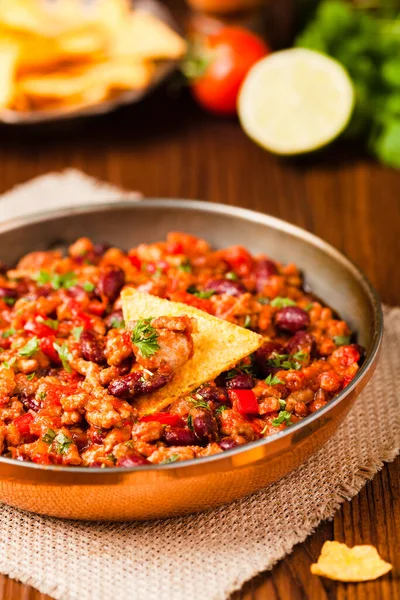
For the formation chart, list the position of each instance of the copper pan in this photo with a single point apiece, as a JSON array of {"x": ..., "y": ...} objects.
[{"x": 160, "y": 491}]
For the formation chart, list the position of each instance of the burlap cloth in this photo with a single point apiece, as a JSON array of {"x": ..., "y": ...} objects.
[{"x": 205, "y": 556}]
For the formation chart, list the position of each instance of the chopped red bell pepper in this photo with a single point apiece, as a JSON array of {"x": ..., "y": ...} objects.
[
  {"x": 23, "y": 422},
  {"x": 239, "y": 259},
  {"x": 38, "y": 328},
  {"x": 245, "y": 401},
  {"x": 77, "y": 313},
  {"x": 47, "y": 347},
  {"x": 163, "y": 418},
  {"x": 135, "y": 261}
]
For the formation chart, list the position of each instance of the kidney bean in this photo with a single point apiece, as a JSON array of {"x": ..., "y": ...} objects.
[
  {"x": 155, "y": 382},
  {"x": 132, "y": 461},
  {"x": 225, "y": 286},
  {"x": 292, "y": 319},
  {"x": 243, "y": 381},
  {"x": 205, "y": 426},
  {"x": 96, "y": 435},
  {"x": 100, "y": 248},
  {"x": 91, "y": 348},
  {"x": 30, "y": 402},
  {"x": 7, "y": 292},
  {"x": 125, "y": 386},
  {"x": 115, "y": 315},
  {"x": 179, "y": 436},
  {"x": 263, "y": 354},
  {"x": 264, "y": 270},
  {"x": 302, "y": 340},
  {"x": 125, "y": 367},
  {"x": 213, "y": 394},
  {"x": 111, "y": 282},
  {"x": 227, "y": 443}
]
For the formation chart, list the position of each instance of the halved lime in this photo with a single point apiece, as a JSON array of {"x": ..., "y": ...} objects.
[{"x": 295, "y": 101}]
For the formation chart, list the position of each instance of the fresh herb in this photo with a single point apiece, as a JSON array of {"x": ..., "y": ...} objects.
[
  {"x": 273, "y": 380},
  {"x": 248, "y": 369},
  {"x": 52, "y": 323},
  {"x": 129, "y": 444},
  {"x": 8, "y": 333},
  {"x": 264, "y": 429},
  {"x": 49, "y": 436},
  {"x": 190, "y": 422},
  {"x": 62, "y": 443},
  {"x": 9, "y": 364},
  {"x": 42, "y": 395},
  {"x": 171, "y": 459},
  {"x": 88, "y": 286},
  {"x": 281, "y": 361},
  {"x": 283, "y": 417},
  {"x": 186, "y": 267},
  {"x": 117, "y": 323},
  {"x": 365, "y": 38},
  {"x": 280, "y": 302},
  {"x": 198, "y": 402},
  {"x": 64, "y": 355},
  {"x": 145, "y": 337},
  {"x": 76, "y": 332},
  {"x": 301, "y": 356},
  {"x": 263, "y": 300},
  {"x": 309, "y": 307},
  {"x": 57, "y": 280},
  {"x": 31, "y": 376},
  {"x": 247, "y": 322},
  {"x": 111, "y": 458},
  {"x": 282, "y": 403},
  {"x": 30, "y": 347},
  {"x": 9, "y": 301},
  {"x": 221, "y": 409},
  {"x": 342, "y": 340},
  {"x": 192, "y": 289},
  {"x": 232, "y": 276}
]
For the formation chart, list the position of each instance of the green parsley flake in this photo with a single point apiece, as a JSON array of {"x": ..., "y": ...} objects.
[
  {"x": 88, "y": 286},
  {"x": 205, "y": 294},
  {"x": 232, "y": 276},
  {"x": 190, "y": 422},
  {"x": 8, "y": 333},
  {"x": 263, "y": 300},
  {"x": 221, "y": 409},
  {"x": 198, "y": 402},
  {"x": 173, "y": 458},
  {"x": 30, "y": 348},
  {"x": 42, "y": 395},
  {"x": 49, "y": 436},
  {"x": 273, "y": 380},
  {"x": 309, "y": 306},
  {"x": 76, "y": 332},
  {"x": 247, "y": 322},
  {"x": 57, "y": 280},
  {"x": 280, "y": 302},
  {"x": 62, "y": 443},
  {"x": 9, "y": 301},
  {"x": 282, "y": 403},
  {"x": 9, "y": 364},
  {"x": 64, "y": 354},
  {"x": 283, "y": 417},
  {"x": 117, "y": 323},
  {"x": 342, "y": 340},
  {"x": 280, "y": 361},
  {"x": 31, "y": 376},
  {"x": 186, "y": 267},
  {"x": 301, "y": 355},
  {"x": 144, "y": 336}
]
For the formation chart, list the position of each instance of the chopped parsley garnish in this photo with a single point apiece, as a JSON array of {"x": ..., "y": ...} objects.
[
  {"x": 232, "y": 276},
  {"x": 221, "y": 409},
  {"x": 301, "y": 355},
  {"x": 64, "y": 355},
  {"x": 190, "y": 422},
  {"x": 117, "y": 323},
  {"x": 263, "y": 300},
  {"x": 76, "y": 332},
  {"x": 248, "y": 369},
  {"x": 42, "y": 395},
  {"x": 281, "y": 361},
  {"x": 186, "y": 267},
  {"x": 247, "y": 322},
  {"x": 111, "y": 458},
  {"x": 173, "y": 458},
  {"x": 30, "y": 347},
  {"x": 8, "y": 333},
  {"x": 129, "y": 444},
  {"x": 282, "y": 403},
  {"x": 49, "y": 436},
  {"x": 280, "y": 302},
  {"x": 273, "y": 380},
  {"x": 9, "y": 301},
  {"x": 309, "y": 306},
  {"x": 88, "y": 286},
  {"x": 52, "y": 323},
  {"x": 198, "y": 402},
  {"x": 62, "y": 443},
  {"x": 56, "y": 280},
  {"x": 192, "y": 289},
  {"x": 31, "y": 376},
  {"x": 9, "y": 364},
  {"x": 342, "y": 340},
  {"x": 283, "y": 417},
  {"x": 145, "y": 337}
]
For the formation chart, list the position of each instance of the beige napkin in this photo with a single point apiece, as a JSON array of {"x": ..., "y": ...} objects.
[{"x": 207, "y": 556}]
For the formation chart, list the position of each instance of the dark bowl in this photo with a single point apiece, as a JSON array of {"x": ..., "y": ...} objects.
[{"x": 160, "y": 491}]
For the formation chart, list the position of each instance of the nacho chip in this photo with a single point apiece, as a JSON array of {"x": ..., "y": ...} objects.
[
  {"x": 144, "y": 36},
  {"x": 8, "y": 63},
  {"x": 218, "y": 346},
  {"x": 341, "y": 563}
]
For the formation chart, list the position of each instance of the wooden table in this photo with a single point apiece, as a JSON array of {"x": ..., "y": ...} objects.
[{"x": 166, "y": 146}]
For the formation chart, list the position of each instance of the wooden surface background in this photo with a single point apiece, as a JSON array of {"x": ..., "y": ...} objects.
[{"x": 167, "y": 147}]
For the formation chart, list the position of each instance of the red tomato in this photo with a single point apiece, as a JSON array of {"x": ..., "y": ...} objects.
[
  {"x": 163, "y": 418},
  {"x": 239, "y": 259},
  {"x": 38, "y": 328},
  {"x": 23, "y": 422},
  {"x": 47, "y": 347},
  {"x": 231, "y": 52}
]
